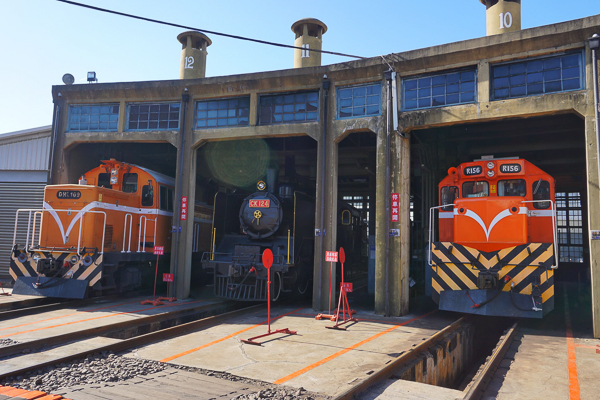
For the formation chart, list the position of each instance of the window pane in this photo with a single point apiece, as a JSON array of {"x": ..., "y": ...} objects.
[
  {"x": 93, "y": 118},
  {"x": 365, "y": 100},
  {"x": 440, "y": 90},
  {"x": 222, "y": 113},
  {"x": 552, "y": 74}
]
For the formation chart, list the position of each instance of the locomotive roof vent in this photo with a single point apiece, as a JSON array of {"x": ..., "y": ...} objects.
[
  {"x": 309, "y": 35},
  {"x": 193, "y": 54},
  {"x": 502, "y": 16}
]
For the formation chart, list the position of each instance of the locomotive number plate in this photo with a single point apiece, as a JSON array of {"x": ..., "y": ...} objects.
[
  {"x": 510, "y": 168},
  {"x": 260, "y": 203},
  {"x": 475, "y": 170},
  {"x": 68, "y": 194}
]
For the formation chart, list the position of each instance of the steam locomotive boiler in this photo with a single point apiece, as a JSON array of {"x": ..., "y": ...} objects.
[{"x": 244, "y": 227}]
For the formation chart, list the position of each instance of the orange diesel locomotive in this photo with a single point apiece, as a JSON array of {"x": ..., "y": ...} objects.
[
  {"x": 98, "y": 234},
  {"x": 497, "y": 240}
]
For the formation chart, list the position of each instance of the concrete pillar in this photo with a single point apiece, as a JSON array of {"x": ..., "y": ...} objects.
[
  {"x": 185, "y": 183},
  {"x": 381, "y": 215},
  {"x": 502, "y": 16},
  {"x": 322, "y": 281},
  {"x": 399, "y": 257}
]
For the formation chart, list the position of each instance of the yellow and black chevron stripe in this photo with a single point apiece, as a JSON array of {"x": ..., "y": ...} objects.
[
  {"x": 457, "y": 267},
  {"x": 91, "y": 273}
]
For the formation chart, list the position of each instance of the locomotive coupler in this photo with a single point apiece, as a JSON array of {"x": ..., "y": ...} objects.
[{"x": 487, "y": 280}]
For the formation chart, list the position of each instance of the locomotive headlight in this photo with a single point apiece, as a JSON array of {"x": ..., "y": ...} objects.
[
  {"x": 491, "y": 173},
  {"x": 114, "y": 172},
  {"x": 490, "y": 165},
  {"x": 36, "y": 257}
]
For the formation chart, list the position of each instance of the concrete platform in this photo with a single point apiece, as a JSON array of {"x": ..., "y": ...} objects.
[
  {"x": 556, "y": 358},
  {"x": 70, "y": 319},
  {"x": 317, "y": 359}
]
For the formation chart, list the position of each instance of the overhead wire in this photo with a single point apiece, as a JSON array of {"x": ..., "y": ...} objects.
[{"x": 74, "y": 3}]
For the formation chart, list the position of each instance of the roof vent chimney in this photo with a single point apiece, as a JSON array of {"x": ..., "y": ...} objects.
[
  {"x": 193, "y": 54},
  {"x": 502, "y": 16},
  {"x": 309, "y": 35}
]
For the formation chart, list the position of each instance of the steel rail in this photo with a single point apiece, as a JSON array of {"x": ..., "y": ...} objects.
[
  {"x": 401, "y": 361},
  {"x": 105, "y": 330},
  {"x": 45, "y": 304},
  {"x": 477, "y": 386},
  {"x": 138, "y": 341}
]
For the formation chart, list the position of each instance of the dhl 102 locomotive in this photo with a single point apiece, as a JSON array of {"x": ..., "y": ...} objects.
[
  {"x": 98, "y": 235},
  {"x": 497, "y": 240}
]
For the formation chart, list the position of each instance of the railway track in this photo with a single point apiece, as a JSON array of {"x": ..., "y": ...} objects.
[
  {"x": 398, "y": 367},
  {"x": 132, "y": 333}
]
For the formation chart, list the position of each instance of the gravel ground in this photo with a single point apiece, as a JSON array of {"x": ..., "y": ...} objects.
[
  {"x": 107, "y": 367},
  {"x": 7, "y": 342}
]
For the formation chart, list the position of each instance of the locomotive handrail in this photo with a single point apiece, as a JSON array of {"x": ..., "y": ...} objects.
[
  {"x": 432, "y": 231},
  {"x": 34, "y": 224},
  {"x": 145, "y": 221},
  {"x": 555, "y": 243},
  {"x": 254, "y": 258},
  {"x": 42, "y": 210},
  {"x": 130, "y": 217}
]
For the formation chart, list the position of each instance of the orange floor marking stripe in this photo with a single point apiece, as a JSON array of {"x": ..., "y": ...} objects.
[
  {"x": 585, "y": 346},
  {"x": 573, "y": 379},
  {"x": 67, "y": 315},
  {"x": 224, "y": 338},
  {"x": 100, "y": 317},
  {"x": 346, "y": 350}
]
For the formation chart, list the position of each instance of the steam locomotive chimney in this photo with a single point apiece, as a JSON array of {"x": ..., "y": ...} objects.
[
  {"x": 272, "y": 175},
  {"x": 193, "y": 54},
  {"x": 502, "y": 16}
]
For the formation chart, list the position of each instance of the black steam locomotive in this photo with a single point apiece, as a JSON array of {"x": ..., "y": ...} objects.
[
  {"x": 243, "y": 227},
  {"x": 282, "y": 223}
]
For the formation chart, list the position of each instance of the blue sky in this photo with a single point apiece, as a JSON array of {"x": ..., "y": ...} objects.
[{"x": 44, "y": 39}]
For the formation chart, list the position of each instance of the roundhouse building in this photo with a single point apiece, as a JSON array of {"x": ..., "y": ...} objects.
[{"x": 334, "y": 130}]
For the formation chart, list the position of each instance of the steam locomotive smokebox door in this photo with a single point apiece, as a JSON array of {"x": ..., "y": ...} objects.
[
  {"x": 260, "y": 215},
  {"x": 51, "y": 287}
]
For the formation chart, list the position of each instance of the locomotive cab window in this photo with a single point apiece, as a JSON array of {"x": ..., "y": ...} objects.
[
  {"x": 541, "y": 191},
  {"x": 166, "y": 198},
  {"x": 346, "y": 217},
  {"x": 130, "y": 183},
  {"x": 447, "y": 196},
  {"x": 512, "y": 187},
  {"x": 104, "y": 181},
  {"x": 147, "y": 195},
  {"x": 475, "y": 189}
]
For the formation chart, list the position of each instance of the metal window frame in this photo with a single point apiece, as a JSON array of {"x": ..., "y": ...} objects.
[
  {"x": 198, "y": 101},
  {"x": 568, "y": 245},
  {"x": 69, "y": 114},
  {"x": 272, "y": 95},
  {"x": 337, "y": 100},
  {"x": 582, "y": 74},
  {"x": 169, "y": 103},
  {"x": 434, "y": 75}
]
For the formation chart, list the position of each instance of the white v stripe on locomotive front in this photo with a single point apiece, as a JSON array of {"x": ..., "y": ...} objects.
[{"x": 500, "y": 216}]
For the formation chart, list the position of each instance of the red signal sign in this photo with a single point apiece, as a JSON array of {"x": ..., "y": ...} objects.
[
  {"x": 168, "y": 277},
  {"x": 159, "y": 250},
  {"x": 331, "y": 256}
]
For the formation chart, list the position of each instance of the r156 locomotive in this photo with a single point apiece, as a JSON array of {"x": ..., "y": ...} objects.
[{"x": 497, "y": 240}]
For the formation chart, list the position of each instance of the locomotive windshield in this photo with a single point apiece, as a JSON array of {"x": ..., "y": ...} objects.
[
  {"x": 541, "y": 191},
  {"x": 449, "y": 194},
  {"x": 512, "y": 187},
  {"x": 475, "y": 189}
]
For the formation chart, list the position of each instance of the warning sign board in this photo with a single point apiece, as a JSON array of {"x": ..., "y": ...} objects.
[
  {"x": 395, "y": 207},
  {"x": 184, "y": 208},
  {"x": 347, "y": 286},
  {"x": 159, "y": 250},
  {"x": 168, "y": 277},
  {"x": 331, "y": 256}
]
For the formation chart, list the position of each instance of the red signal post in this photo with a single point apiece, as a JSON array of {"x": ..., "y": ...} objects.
[
  {"x": 343, "y": 302},
  {"x": 158, "y": 251},
  {"x": 267, "y": 259}
]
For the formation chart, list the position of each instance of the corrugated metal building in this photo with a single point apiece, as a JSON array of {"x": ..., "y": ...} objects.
[{"x": 24, "y": 164}]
